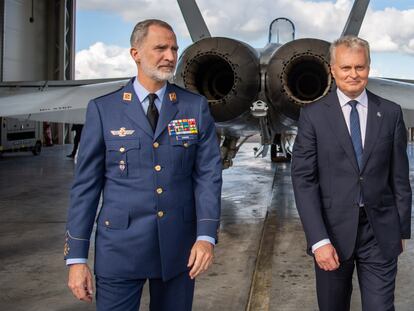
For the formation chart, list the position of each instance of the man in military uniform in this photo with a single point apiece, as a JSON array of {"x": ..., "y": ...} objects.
[{"x": 151, "y": 149}]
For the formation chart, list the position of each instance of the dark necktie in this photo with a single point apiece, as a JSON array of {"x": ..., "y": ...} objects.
[
  {"x": 356, "y": 132},
  {"x": 152, "y": 112},
  {"x": 356, "y": 139}
]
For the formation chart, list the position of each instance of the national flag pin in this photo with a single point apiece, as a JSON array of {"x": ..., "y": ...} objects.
[
  {"x": 173, "y": 96},
  {"x": 379, "y": 115},
  {"x": 127, "y": 96}
]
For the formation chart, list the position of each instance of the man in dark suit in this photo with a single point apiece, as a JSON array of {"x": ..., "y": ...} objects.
[
  {"x": 351, "y": 182},
  {"x": 151, "y": 149},
  {"x": 77, "y": 128}
]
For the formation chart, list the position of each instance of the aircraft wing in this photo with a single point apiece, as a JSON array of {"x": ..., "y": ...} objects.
[
  {"x": 398, "y": 91},
  {"x": 57, "y": 101}
]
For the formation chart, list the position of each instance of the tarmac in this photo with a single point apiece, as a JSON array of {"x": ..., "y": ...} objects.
[{"x": 260, "y": 261}]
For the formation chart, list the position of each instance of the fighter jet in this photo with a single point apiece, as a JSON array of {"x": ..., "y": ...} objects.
[{"x": 249, "y": 90}]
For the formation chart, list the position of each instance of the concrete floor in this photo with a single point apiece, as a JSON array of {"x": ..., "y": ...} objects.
[{"x": 33, "y": 204}]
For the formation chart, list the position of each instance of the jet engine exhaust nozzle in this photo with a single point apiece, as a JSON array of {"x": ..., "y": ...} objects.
[
  {"x": 298, "y": 74},
  {"x": 306, "y": 78},
  {"x": 223, "y": 70}
]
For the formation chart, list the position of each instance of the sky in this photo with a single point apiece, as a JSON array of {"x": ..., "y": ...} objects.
[{"x": 103, "y": 28}]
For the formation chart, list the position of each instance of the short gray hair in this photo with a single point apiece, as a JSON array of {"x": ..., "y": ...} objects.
[
  {"x": 352, "y": 42},
  {"x": 141, "y": 30}
]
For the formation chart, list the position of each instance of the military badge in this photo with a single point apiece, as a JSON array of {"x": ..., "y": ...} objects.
[
  {"x": 183, "y": 129},
  {"x": 172, "y": 96},
  {"x": 127, "y": 96},
  {"x": 122, "y": 132},
  {"x": 122, "y": 165}
]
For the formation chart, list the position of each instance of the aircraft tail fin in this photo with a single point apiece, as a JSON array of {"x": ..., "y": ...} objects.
[
  {"x": 355, "y": 18},
  {"x": 194, "y": 20}
]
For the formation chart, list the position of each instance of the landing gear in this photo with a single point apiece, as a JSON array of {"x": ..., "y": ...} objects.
[
  {"x": 229, "y": 149},
  {"x": 278, "y": 152}
]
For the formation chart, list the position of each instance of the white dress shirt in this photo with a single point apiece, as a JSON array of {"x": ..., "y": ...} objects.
[{"x": 362, "y": 108}]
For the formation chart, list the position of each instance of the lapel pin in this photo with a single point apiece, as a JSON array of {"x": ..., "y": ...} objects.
[
  {"x": 173, "y": 96},
  {"x": 379, "y": 115},
  {"x": 127, "y": 96}
]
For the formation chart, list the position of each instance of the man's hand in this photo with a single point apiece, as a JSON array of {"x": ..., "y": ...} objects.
[
  {"x": 327, "y": 258},
  {"x": 201, "y": 257},
  {"x": 80, "y": 282}
]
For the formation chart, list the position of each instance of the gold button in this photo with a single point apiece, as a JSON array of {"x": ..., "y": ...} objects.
[
  {"x": 156, "y": 145},
  {"x": 185, "y": 145},
  {"x": 159, "y": 190},
  {"x": 122, "y": 149},
  {"x": 157, "y": 168},
  {"x": 160, "y": 214},
  {"x": 106, "y": 222}
]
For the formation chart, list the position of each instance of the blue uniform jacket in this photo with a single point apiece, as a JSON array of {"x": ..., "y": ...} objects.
[{"x": 159, "y": 190}]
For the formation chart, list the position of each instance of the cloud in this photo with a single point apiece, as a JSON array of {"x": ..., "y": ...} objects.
[
  {"x": 136, "y": 10},
  {"x": 375, "y": 72},
  {"x": 387, "y": 30},
  {"x": 104, "y": 61}
]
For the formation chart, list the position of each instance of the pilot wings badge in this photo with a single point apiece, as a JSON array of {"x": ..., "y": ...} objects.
[{"x": 122, "y": 132}]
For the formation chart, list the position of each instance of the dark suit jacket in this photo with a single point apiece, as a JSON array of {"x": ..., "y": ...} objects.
[
  {"x": 327, "y": 181},
  {"x": 142, "y": 232}
]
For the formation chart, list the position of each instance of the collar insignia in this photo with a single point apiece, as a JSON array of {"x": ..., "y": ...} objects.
[
  {"x": 127, "y": 96},
  {"x": 172, "y": 96}
]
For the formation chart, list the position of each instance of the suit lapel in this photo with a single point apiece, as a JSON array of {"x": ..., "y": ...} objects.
[
  {"x": 337, "y": 122},
  {"x": 168, "y": 110},
  {"x": 133, "y": 109},
  {"x": 374, "y": 121}
]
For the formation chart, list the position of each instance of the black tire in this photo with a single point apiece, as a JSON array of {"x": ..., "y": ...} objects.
[{"x": 37, "y": 148}]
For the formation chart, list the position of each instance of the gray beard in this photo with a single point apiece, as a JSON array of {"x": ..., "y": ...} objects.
[{"x": 156, "y": 74}]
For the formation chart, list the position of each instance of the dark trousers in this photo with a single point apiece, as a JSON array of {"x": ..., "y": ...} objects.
[
  {"x": 376, "y": 276},
  {"x": 116, "y": 294},
  {"x": 78, "y": 132}
]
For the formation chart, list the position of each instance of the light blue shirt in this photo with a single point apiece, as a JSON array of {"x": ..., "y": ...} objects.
[{"x": 142, "y": 94}]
